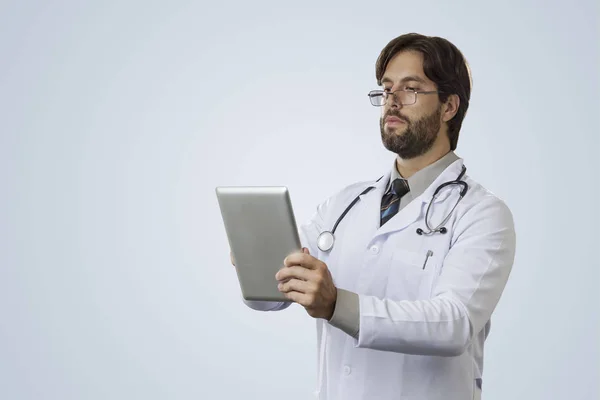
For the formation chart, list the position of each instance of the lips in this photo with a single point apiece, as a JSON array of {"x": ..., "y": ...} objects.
[{"x": 393, "y": 120}]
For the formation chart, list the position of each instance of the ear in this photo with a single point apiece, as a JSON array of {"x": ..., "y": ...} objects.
[{"x": 450, "y": 107}]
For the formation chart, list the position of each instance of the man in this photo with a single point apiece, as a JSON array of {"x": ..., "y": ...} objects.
[{"x": 402, "y": 308}]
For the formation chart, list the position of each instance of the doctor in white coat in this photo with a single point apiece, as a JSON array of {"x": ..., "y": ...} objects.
[{"x": 403, "y": 300}]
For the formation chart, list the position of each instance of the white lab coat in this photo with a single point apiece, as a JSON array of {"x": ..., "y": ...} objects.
[{"x": 422, "y": 330}]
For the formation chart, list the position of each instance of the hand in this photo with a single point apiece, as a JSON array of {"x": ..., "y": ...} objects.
[{"x": 307, "y": 281}]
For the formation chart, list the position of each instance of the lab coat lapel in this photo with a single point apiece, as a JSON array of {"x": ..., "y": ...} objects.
[
  {"x": 405, "y": 217},
  {"x": 416, "y": 209},
  {"x": 372, "y": 202}
]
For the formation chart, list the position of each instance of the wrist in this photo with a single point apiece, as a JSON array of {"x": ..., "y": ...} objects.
[{"x": 331, "y": 308}]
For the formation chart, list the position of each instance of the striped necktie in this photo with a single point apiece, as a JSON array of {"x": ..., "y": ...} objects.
[{"x": 390, "y": 202}]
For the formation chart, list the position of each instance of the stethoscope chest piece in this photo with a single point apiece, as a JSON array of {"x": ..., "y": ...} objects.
[{"x": 325, "y": 241}]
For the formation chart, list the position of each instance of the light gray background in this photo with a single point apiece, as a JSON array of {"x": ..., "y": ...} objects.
[{"x": 119, "y": 118}]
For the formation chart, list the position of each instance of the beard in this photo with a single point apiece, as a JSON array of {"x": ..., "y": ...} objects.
[{"x": 418, "y": 136}]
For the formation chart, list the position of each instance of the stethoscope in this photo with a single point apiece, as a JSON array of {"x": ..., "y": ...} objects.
[{"x": 326, "y": 239}]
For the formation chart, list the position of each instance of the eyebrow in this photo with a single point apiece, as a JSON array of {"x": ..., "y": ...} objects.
[{"x": 405, "y": 79}]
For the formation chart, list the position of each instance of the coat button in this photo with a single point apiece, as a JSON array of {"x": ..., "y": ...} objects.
[
  {"x": 374, "y": 249},
  {"x": 347, "y": 370}
]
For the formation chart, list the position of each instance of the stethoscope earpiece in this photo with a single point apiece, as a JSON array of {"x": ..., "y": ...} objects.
[{"x": 441, "y": 230}]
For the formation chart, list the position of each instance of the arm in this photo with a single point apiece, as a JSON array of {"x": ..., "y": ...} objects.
[{"x": 474, "y": 274}]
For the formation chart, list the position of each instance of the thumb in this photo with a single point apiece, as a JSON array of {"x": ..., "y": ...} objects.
[{"x": 305, "y": 250}]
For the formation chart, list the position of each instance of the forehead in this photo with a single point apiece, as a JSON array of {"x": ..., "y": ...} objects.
[{"x": 404, "y": 65}]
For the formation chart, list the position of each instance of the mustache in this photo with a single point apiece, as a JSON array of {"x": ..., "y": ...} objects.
[{"x": 395, "y": 114}]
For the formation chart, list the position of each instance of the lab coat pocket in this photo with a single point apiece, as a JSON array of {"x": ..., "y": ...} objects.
[{"x": 412, "y": 275}]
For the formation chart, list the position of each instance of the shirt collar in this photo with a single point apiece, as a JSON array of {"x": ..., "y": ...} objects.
[{"x": 423, "y": 178}]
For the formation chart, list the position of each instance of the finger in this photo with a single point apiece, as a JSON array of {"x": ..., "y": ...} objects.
[
  {"x": 294, "y": 285},
  {"x": 305, "y": 250},
  {"x": 294, "y": 259},
  {"x": 294, "y": 272},
  {"x": 298, "y": 297},
  {"x": 301, "y": 259}
]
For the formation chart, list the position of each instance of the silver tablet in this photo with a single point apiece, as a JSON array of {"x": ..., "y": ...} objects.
[{"x": 261, "y": 229}]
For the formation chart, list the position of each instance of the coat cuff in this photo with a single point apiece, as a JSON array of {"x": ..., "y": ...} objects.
[{"x": 346, "y": 315}]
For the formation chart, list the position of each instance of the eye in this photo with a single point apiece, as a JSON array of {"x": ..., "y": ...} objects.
[
  {"x": 410, "y": 88},
  {"x": 387, "y": 90}
]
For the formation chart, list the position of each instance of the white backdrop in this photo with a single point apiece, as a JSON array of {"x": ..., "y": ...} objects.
[{"x": 119, "y": 118}]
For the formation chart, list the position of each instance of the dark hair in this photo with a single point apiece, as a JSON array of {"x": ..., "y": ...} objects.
[{"x": 443, "y": 63}]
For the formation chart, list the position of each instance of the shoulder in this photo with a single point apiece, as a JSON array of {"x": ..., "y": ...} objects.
[
  {"x": 328, "y": 210},
  {"x": 483, "y": 211},
  {"x": 480, "y": 197},
  {"x": 343, "y": 195}
]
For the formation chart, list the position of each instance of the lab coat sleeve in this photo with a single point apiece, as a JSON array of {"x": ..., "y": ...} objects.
[
  {"x": 308, "y": 232},
  {"x": 346, "y": 314},
  {"x": 474, "y": 274}
]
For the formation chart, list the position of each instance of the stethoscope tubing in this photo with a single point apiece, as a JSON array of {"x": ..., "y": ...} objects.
[{"x": 326, "y": 239}]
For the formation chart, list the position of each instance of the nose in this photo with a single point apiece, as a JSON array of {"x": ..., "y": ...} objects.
[
  {"x": 392, "y": 101},
  {"x": 392, "y": 105}
]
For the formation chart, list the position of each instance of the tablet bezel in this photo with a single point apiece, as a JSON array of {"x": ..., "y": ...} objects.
[{"x": 261, "y": 230}]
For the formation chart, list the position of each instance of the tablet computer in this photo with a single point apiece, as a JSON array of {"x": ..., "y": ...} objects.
[{"x": 261, "y": 229}]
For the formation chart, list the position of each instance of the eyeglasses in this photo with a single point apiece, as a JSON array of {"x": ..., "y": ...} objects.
[{"x": 406, "y": 97}]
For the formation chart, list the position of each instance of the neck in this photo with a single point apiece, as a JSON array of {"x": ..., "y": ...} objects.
[{"x": 408, "y": 167}]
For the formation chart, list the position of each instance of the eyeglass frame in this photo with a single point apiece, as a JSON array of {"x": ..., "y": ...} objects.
[{"x": 383, "y": 94}]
